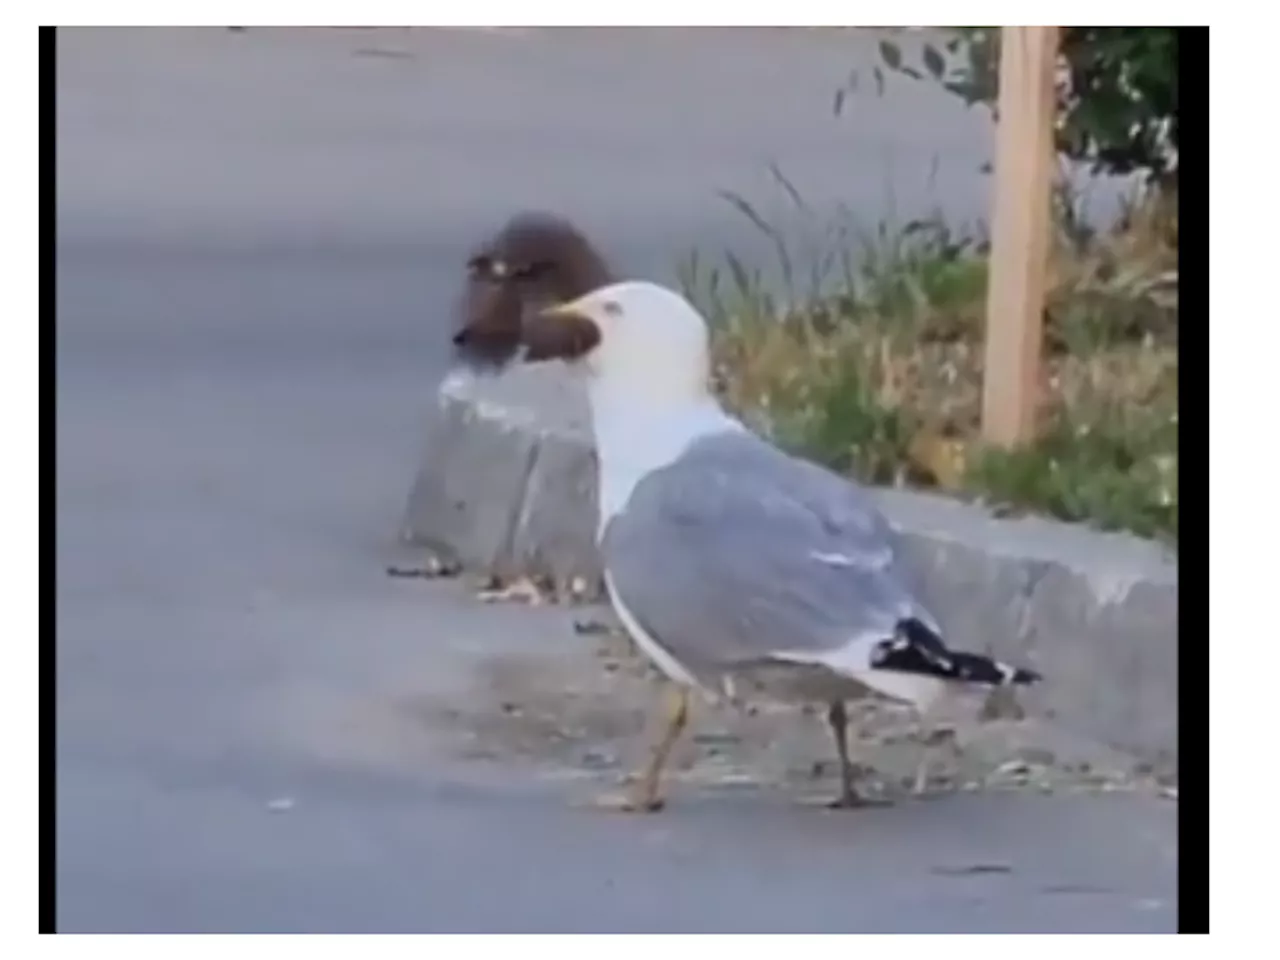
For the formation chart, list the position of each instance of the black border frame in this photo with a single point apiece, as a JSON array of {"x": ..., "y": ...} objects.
[
  {"x": 48, "y": 614},
  {"x": 1193, "y": 651}
]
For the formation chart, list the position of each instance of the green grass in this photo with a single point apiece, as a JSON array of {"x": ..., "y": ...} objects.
[{"x": 875, "y": 367}]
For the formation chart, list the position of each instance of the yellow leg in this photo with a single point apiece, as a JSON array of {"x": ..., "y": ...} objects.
[
  {"x": 848, "y": 798},
  {"x": 646, "y": 797}
]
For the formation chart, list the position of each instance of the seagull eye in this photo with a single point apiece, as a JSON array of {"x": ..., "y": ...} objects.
[{"x": 612, "y": 308}]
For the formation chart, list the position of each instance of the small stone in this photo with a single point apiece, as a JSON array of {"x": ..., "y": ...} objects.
[
  {"x": 719, "y": 738},
  {"x": 1037, "y": 756},
  {"x": 737, "y": 778},
  {"x": 521, "y": 590},
  {"x": 598, "y": 759},
  {"x": 1013, "y": 768},
  {"x": 432, "y": 568},
  {"x": 972, "y": 869}
]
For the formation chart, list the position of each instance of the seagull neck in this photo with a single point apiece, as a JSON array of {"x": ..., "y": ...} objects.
[{"x": 633, "y": 440}]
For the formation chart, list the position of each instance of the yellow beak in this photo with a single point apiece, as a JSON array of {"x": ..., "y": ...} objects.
[{"x": 571, "y": 308}]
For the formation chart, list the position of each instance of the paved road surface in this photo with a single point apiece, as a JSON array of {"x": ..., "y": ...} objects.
[{"x": 259, "y": 235}]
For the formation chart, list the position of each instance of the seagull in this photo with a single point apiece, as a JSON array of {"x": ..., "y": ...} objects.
[{"x": 737, "y": 568}]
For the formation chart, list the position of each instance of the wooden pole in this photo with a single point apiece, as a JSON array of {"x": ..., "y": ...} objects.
[{"x": 1020, "y": 234}]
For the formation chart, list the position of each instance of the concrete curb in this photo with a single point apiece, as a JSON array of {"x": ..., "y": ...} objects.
[{"x": 508, "y": 486}]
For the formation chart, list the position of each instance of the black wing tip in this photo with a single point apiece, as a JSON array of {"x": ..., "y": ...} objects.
[
  {"x": 976, "y": 668},
  {"x": 1022, "y": 677},
  {"x": 917, "y": 649}
]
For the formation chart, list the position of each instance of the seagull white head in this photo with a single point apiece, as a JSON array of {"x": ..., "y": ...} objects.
[
  {"x": 637, "y": 342},
  {"x": 643, "y": 350}
]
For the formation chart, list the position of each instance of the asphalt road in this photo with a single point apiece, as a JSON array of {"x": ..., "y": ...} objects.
[{"x": 259, "y": 237}]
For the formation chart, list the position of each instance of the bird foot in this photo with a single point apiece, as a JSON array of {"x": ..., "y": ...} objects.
[
  {"x": 855, "y": 801},
  {"x": 624, "y": 802}
]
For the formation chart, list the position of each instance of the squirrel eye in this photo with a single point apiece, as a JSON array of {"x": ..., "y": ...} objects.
[{"x": 487, "y": 268}]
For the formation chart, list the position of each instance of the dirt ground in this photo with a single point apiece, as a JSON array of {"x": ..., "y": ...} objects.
[{"x": 591, "y": 716}]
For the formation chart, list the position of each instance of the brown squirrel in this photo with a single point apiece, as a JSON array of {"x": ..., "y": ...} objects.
[{"x": 535, "y": 260}]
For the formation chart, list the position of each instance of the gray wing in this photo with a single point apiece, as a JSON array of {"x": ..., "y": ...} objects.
[{"x": 737, "y": 551}]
